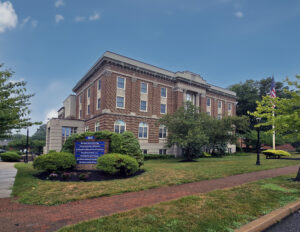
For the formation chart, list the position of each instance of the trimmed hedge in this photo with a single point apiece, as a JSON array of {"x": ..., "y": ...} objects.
[
  {"x": 10, "y": 156},
  {"x": 55, "y": 162},
  {"x": 115, "y": 164},
  {"x": 125, "y": 143},
  {"x": 276, "y": 153},
  {"x": 297, "y": 149},
  {"x": 157, "y": 156}
]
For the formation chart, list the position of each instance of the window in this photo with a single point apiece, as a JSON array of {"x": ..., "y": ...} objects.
[
  {"x": 99, "y": 103},
  {"x": 80, "y": 113},
  {"x": 80, "y": 99},
  {"x": 219, "y": 116},
  {"x": 86, "y": 128},
  {"x": 189, "y": 97},
  {"x": 67, "y": 131},
  {"x": 119, "y": 126},
  {"x": 162, "y": 108},
  {"x": 145, "y": 151},
  {"x": 89, "y": 92},
  {"x": 162, "y": 151},
  {"x": 121, "y": 83},
  {"x": 99, "y": 84},
  {"x": 208, "y": 113},
  {"x": 88, "y": 109},
  {"x": 163, "y": 92},
  {"x": 162, "y": 132},
  {"x": 120, "y": 102},
  {"x": 229, "y": 106},
  {"x": 144, "y": 87},
  {"x": 143, "y": 130},
  {"x": 208, "y": 102},
  {"x": 143, "y": 106},
  {"x": 97, "y": 126},
  {"x": 219, "y": 104}
]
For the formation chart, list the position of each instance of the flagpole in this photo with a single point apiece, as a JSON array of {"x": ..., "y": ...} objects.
[
  {"x": 273, "y": 95},
  {"x": 273, "y": 127}
]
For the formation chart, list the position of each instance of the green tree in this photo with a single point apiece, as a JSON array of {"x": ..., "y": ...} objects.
[
  {"x": 14, "y": 104},
  {"x": 40, "y": 133}
]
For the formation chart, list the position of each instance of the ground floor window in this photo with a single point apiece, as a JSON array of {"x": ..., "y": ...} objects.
[
  {"x": 119, "y": 126},
  {"x": 145, "y": 151},
  {"x": 97, "y": 126},
  {"x": 162, "y": 151},
  {"x": 67, "y": 131},
  {"x": 162, "y": 132},
  {"x": 143, "y": 130}
]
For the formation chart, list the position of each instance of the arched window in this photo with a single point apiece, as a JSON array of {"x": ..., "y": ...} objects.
[
  {"x": 162, "y": 132},
  {"x": 97, "y": 126},
  {"x": 143, "y": 130},
  {"x": 120, "y": 126}
]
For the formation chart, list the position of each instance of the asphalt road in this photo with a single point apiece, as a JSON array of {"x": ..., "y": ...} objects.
[{"x": 289, "y": 224}]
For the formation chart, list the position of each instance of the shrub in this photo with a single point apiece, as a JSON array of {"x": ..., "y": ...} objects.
[
  {"x": 276, "y": 152},
  {"x": 205, "y": 154},
  {"x": 51, "y": 151},
  {"x": 84, "y": 176},
  {"x": 10, "y": 156},
  {"x": 130, "y": 146},
  {"x": 55, "y": 161},
  {"x": 157, "y": 156},
  {"x": 114, "y": 164},
  {"x": 66, "y": 175},
  {"x": 297, "y": 149}
]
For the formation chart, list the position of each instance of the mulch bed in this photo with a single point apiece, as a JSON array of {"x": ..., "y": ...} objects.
[{"x": 84, "y": 175}]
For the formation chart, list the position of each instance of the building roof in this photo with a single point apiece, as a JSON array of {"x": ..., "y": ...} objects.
[{"x": 185, "y": 76}]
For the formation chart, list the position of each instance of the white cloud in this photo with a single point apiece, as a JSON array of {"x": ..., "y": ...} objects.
[
  {"x": 25, "y": 21},
  {"x": 59, "y": 18},
  {"x": 34, "y": 23},
  {"x": 8, "y": 16},
  {"x": 94, "y": 17},
  {"x": 79, "y": 19},
  {"x": 59, "y": 3},
  {"x": 239, "y": 14},
  {"x": 51, "y": 114}
]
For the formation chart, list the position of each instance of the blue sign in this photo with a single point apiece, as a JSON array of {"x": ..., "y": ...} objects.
[
  {"x": 87, "y": 152},
  {"x": 90, "y": 137}
]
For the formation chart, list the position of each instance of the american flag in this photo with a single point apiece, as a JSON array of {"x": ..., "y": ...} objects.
[{"x": 272, "y": 89}]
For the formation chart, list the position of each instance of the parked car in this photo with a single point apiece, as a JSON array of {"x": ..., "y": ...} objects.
[{"x": 2, "y": 151}]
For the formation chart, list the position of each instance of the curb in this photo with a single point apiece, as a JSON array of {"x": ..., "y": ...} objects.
[{"x": 270, "y": 219}]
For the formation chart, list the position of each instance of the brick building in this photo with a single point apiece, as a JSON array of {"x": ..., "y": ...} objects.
[{"x": 119, "y": 93}]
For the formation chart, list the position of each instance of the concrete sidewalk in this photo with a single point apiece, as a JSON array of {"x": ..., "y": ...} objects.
[{"x": 7, "y": 178}]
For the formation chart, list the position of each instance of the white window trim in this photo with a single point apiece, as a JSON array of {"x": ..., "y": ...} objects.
[
  {"x": 143, "y": 131},
  {"x": 146, "y": 106},
  {"x": 162, "y": 126},
  {"x": 88, "y": 111},
  {"x": 166, "y": 110},
  {"x": 96, "y": 126},
  {"x": 124, "y": 82},
  {"x": 146, "y": 88},
  {"x": 99, "y": 80},
  {"x": 220, "y": 102},
  {"x": 209, "y": 102},
  {"x": 230, "y": 106},
  {"x": 117, "y": 103},
  {"x": 166, "y": 92},
  {"x": 119, "y": 126},
  {"x": 87, "y": 93},
  {"x": 86, "y": 128},
  {"x": 98, "y": 108}
]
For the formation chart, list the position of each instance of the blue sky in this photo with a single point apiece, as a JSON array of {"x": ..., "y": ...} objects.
[{"x": 51, "y": 44}]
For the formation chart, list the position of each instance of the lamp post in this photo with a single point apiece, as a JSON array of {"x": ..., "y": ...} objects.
[{"x": 258, "y": 142}]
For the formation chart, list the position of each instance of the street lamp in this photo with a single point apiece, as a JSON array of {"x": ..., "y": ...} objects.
[{"x": 258, "y": 142}]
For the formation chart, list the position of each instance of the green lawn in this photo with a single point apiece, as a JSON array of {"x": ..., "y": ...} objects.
[
  {"x": 31, "y": 190},
  {"x": 220, "y": 210}
]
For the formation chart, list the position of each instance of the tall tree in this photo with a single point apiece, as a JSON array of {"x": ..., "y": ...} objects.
[
  {"x": 14, "y": 104},
  {"x": 40, "y": 133}
]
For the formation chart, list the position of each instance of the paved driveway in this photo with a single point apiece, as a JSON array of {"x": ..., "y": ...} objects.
[{"x": 7, "y": 178}]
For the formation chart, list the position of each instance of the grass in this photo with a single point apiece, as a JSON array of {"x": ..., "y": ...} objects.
[
  {"x": 220, "y": 210},
  {"x": 31, "y": 190}
]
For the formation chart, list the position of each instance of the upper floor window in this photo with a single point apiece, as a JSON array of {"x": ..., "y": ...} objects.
[
  {"x": 143, "y": 130},
  {"x": 229, "y": 106},
  {"x": 119, "y": 126},
  {"x": 219, "y": 104},
  {"x": 89, "y": 92},
  {"x": 163, "y": 92},
  {"x": 99, "y": 103},
  {"x": 120, "y": 102},
  {"x": 97, "y": 126},
  {"x": 208, "y": 102},
  {"x": 144, "y": 87},
  {"x": 80, "y": 113},
  {"x": 162, "y": 132},
  {"x": 80, "y": 99},
  {"x": 143, "y": 106},
  {"x": 121, "y": 83},
  {"x": 88, "y": 109},
  {"x": 162, "y": 108},
  {"x": 99, "y": 84}
]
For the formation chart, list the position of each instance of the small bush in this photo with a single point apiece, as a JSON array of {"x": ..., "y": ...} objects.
[
  {"x": 276, "y": 152},
  {"x": 10, "y": 156},
  {"x": 84, "y": 176},
  {"x": 66, "y": 175},
  {"x": 51, "y": 151},
  {"x": 297, "y": 149},
  {"x": 157, "y": 156},
  {"x": 55, "y": 161},
  {"x": 114, "y": 164},
  {"x": 205, "y": 154}
]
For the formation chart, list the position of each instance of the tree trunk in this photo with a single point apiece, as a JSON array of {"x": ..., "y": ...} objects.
[{"x": 298, "y": 175}]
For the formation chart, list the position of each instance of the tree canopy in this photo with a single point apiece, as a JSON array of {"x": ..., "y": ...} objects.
[{"x": 14, "y": 104}]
